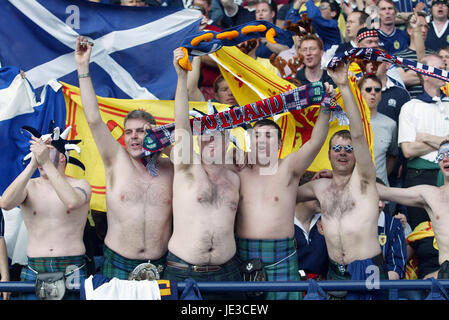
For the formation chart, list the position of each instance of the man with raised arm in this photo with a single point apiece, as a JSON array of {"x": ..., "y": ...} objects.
[
  {"x": 205, "y": 199},
  {"x": 349, "y": 201},
  {"x": 54, "y": 208},
  {"x": 265, "y": 219},
  {"x": 434, "y": 200},
  {"x": 139, "y": 203}
]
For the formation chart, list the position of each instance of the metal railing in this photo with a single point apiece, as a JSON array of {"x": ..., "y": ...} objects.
[{"x": 392, "y": 286}]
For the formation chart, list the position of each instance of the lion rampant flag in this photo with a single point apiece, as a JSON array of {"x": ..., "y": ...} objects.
[{"x": 250, "y": 81}]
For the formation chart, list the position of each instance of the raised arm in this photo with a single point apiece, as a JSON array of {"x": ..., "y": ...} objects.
[
  {"x": 183, "y": 148},
  {"x": 412, "y": 196},
  {"x": 306, "y": 192},
  {"x": 194, "y": 92},
  {"x": 108, "y": 147},
  {"x": 17, "y": 191},
  {"x": 300, "y": 160},
  {"x": 72, "y": 197},
  {"x": 364, "y": 163}
]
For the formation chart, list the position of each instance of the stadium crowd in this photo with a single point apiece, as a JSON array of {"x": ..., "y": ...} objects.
[{"x": 212, "y": 221}]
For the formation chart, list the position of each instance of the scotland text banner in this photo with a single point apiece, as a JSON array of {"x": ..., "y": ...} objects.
[{"x": 250, "y": 81}]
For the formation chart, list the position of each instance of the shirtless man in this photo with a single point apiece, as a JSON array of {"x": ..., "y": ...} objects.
[
  {"x": 205, "y": 199},
  {"x": 349, "y": 201},
  {"x": 139, "y": 205},
  {"x": 265, "y": 219},
  {"x": 435, "y": 201},
  {"x": 54, "y": 208}
]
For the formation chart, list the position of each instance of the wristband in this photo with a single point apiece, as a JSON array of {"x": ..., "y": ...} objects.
[{"x": 83, "y": 75}]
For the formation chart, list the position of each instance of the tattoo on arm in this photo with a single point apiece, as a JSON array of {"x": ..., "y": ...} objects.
[{"x": 83, "y": 191}]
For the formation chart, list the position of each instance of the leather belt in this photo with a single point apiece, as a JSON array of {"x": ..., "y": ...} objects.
[{"x": 194, "y": 268}]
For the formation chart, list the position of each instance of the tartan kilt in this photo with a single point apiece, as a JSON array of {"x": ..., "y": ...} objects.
[
  {"x": 230, "y": 271},
  {"x": 271, "y": 252},
  {"x": 117, "y": 266},
  {"x": 52, "y": 264}
]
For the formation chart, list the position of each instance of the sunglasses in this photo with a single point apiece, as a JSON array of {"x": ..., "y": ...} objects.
[
  {"x": 338, "y": 148},
  {"x": 323, "y": 7},
  {"x": 369, "y": 89},
  {"x": 441, "y": 155}
]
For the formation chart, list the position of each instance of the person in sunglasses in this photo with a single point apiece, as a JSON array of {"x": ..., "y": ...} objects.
[
  {"x": 384, "y": 128},
  {"x": 434, "y": 200},
  {"x": 423, "y": 125},
  {"x": 349, "y": 202}
]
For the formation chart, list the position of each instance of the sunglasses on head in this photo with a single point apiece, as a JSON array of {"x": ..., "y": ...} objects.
[
  {"x": 338, "y": 148},
  {"x": 369, "y": 89},
  {"x": 441, "y": 155}
]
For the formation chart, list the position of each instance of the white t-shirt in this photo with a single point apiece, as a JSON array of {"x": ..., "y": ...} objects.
[{"x": 418, "y": 116}]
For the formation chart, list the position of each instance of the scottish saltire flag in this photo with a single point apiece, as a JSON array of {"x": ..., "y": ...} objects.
[
  {"x": 19, "y": 107},
  {"x": 133, "y": 46}
]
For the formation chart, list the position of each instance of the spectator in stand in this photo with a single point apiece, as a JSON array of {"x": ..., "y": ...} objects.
[
  {"x": 265, "y": 12},
  {"x": 311, "y": 249},
  {"x": 54, "y": 208},
  {"x": 438, "y": 35},
  {"x": 355, "y": 21},
  {"x": 324, "y": 19},
  {"x": 235, "y": 14},
  {"x": 205, "y": 197},
  {"x": 369, "y": 38},
  {"x": 311, "y": 47},
  {"x": 407, "y": 7},
  {"x": 147, "y": 224},
  {"x": 223, "y": 93},
  {"x": 216, "y": 13},
  {"x": 394, "y": 95},
  {"x": 417, "y": 30},
  {"x": 422, "y": 255},
  {"x": 352, "y": 246},
  {"x": 423, "y": 125},
  {"x": 434, "y": 201},
  {"x": 384, "y": 129},
  {"x": 444, "y": 54},
  {"x": 4, "y": 266},
  {"x": 392, "y": 241},
  {"x": 390, "y": 37}
]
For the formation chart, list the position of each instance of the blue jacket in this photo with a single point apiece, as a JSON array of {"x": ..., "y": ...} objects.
[
  {"x": 311, "y": 248},
  {"x": 326, "y": 29},
  {"x": 394, "y": 248}
]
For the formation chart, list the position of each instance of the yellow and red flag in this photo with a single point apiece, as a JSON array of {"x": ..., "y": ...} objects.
[
  {"x": 250, "y": 81},
  {"x": 113, "y": 112}
]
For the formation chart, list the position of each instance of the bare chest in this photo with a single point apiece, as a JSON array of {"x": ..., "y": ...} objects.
[
  {"x": 337, "y": 202},
  {"x": 144, "y": 190},
  {"x": 43, "y": 202},
  {"x": 215, "y": 191},
  {"x": 268, "y": 188},
  {"x": 438, "y": 209}
]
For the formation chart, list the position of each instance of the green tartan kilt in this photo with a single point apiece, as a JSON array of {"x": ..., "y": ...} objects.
[
  {"x": 117, "y": 266},
  {"x": 280, "y": 261}
]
